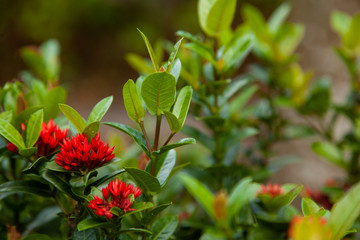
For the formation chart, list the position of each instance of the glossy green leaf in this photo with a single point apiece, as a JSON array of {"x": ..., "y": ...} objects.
[
  {"x": 132, "y": 102},
  {"x": 144, "y": 179},
  {"x": 310, "y": 208},
  {"x": 73, "y": 116},
  {"x": 92, "y": 223},
  {"x": 278, "y": 17},
  {"x": 51, "y": 100},
  {"x": 33, "y": 128},
  {"x": 151, "y": 51},
  {"x": 344, "y": 213},
  {"x": 27, "y": 152},
  {"x": 216, "y": 15},
  {"x": 340, "y": 22},
  {"x": 158, "y": 92},
  {"x": 100, "y": 109},
  {"x": 242, "y": 193},
  {"x": 164, "y": 166},
  {"x": 135, "y": 230},
  {"x": 164, "y": 227},
  {"x": 35, "y": 166},
  {"x": 182, "y": 104},
  {"x": 173, "y": 54},
  {"x": 89, "y": 234},
  {"x": 135, "y": 134},
  {"x": 237, "y": 51},
  {"x": 92, "y": 129},
  {"x": 150, "y": 216},
  {"x": 52, "y": 165},
  {"x": 173, "y": 122},
  {"x": 181, "y": 142},
  {"x": 11, "y": 134},
  {"x": 204, "y": 51},
  {"x": 330, "y": 152},
  {"x": 176, "y": 69},
  {"x": 139, "y": 207},
  {"x": 24, "y": 186},
  {"x": 201, "y": 193}
]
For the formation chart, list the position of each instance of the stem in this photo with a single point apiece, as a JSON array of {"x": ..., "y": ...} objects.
[
  {"x": 169, "y": 138},
  {"x": 145, "y": 135},
  {"x": 157, "y": 132}
]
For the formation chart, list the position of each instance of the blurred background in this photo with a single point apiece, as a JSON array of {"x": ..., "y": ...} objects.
[{"x": 95, "y": 35}]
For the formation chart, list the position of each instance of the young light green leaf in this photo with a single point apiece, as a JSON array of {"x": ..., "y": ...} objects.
[
  {"x": 132, "y": 102},
  {"x": 173, "y": 122},
  {"x": 330, "y": 152},
  {"x": 91, "y": 130},
  {"x": 203, "y": 51},
  {"x": 310, "y": 208},
  {"x": 11, "y": 134},
  {"x": 73, "y": 116},
  {"x": 176, "y": 69},
  {"x": 344, "y": 213},
  {"x": 278, "y": 17},
  {"x": 237, "y": 51},
  {"x": 144, "y": 179},
  {"x": 352, "y": 36},
  {"x": 164, "y": 227},
  {"x": 199, "y": 192},
  {"x": 33, "y": 128},
  {"x": 241, "y": 99},
  {"x": 216, "y": 15},
  {"x": 98, "y": 112},
  {"x": 7, "y": 116},
  {"x": 151, "y": 51},
  {"x": 182, "y": 104},
  {"x": 158, "y": 92},
  {"x": 173, "y": 55},
  {"x": 340, "y": 22}
]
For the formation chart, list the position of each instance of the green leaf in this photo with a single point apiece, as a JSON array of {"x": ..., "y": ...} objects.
[
  {"x": 91, "y": 130},
  {"x": 352, "y": 37},
  {"x": 216, "y": 15},
  {"x": 235, "y": 86},
  {"x": 151, "y": 51},
  {"x": 203, "y": 51},
  {"x": 90, "y": 234},
  {"x": 340, "y": 22},
  {"x": 237, "y": 51},
  {"x": 24, "y": 186},
  {"x": 241, "y": 194},
  {"x": 132, "y": 102},
  {"x": 33, "y": 59},
  {"x": 150, "y": 216},
  {"x": 173, "y": 122},
  {"x": 34, "y": 167},
  {"x": 100, "y": 109},
  {"x": 52, "y": 165},
  {"x": 33, "y": 128},
  {"x": 139, "y": 207},
  {"x": 182, "y": 104},
  {"x": 199, "y": 192},
  {"x": 11, "y": 134},
  {"x": 176, "y": 69},
  {"x": 135, "y": 134},
  {"x": 278, "y": 17},
  {"x": 181, "y": 142},
  {"x": 135, "y": 230},
  {"x": 158, "y": 92},
  {"x": 49, "y": 51},
  {"x": 310, "y": 208},
  {"x": 203, "y": 138},
  {"x": 173, "y": 55},
  {"x": 241, "y": 99},
  {"x": 138, "y": 63},
  {"x": 330, "y": 152},
  {"x": 144, "y": 179},
  {"x": 73, "y": 116},
  {"x": 51, "y": 100},
  {"x": 37, "y": 236},
  {"x": 92, "y": 223},
  {"x": 164, "y": 227},
  {"x": 46, "y": 215},
  {"x": 27, "y": 152},
  {"x": 344, "y": 213},
  {"x": 7, "y": 116},
  {"x": 164, "y": 166}
]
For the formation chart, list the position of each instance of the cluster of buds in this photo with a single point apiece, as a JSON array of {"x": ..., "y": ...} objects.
[
  {"x": 77, "y": 154},
  {"x": 116, "y": 194},
  {"x": 272, "y": 190},
  {"x": 311, "y": 228}
]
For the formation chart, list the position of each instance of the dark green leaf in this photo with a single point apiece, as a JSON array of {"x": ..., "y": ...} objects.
[
  {"x": 241, "y": 99},
  {"x": 37, "y": 237},
  {"x": 33, "y": 128},
  {"x": 27, "y": 152},
  {"x": 100, "y": 109},
  {"x": 139, "y": 207},
  {"x": 150, "y": 216},
  {"x": 158, "y": 92},
  {"x": 74, "y": 117},
  {"x": 144, "y": 179},
  {"x": 164, "y": 227},
  {"x": 135, "y": 230},
  {"x": 89, "y": 234},
  {"x": 59, "y": 183},
  {"x": 200, "y": 136},
  {"x": 24, "y": 186},
  {"x": 132, "y": 102},
  {"x": 35, "y": 166}
]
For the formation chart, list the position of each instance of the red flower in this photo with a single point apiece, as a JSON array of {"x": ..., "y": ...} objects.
[
  {"x": 319, "y": 197},
  {"x": 77, "y": 154},
  {"x": 120, "y": 197},
  {"x": 273, "y": 190},
  {"x": 50, "y": 137}
]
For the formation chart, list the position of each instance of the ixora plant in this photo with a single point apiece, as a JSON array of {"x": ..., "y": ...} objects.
[{"x": 60, "y": 180}]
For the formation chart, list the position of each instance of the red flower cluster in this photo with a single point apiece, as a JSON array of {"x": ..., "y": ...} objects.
[
  {"x": 49, "y": 140},
  {"x": 319, "y": 197},
  {"x": 273, "y": 190},
  {"x": 77, "y": 154},
  {"x": 120, "y": 196}
]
